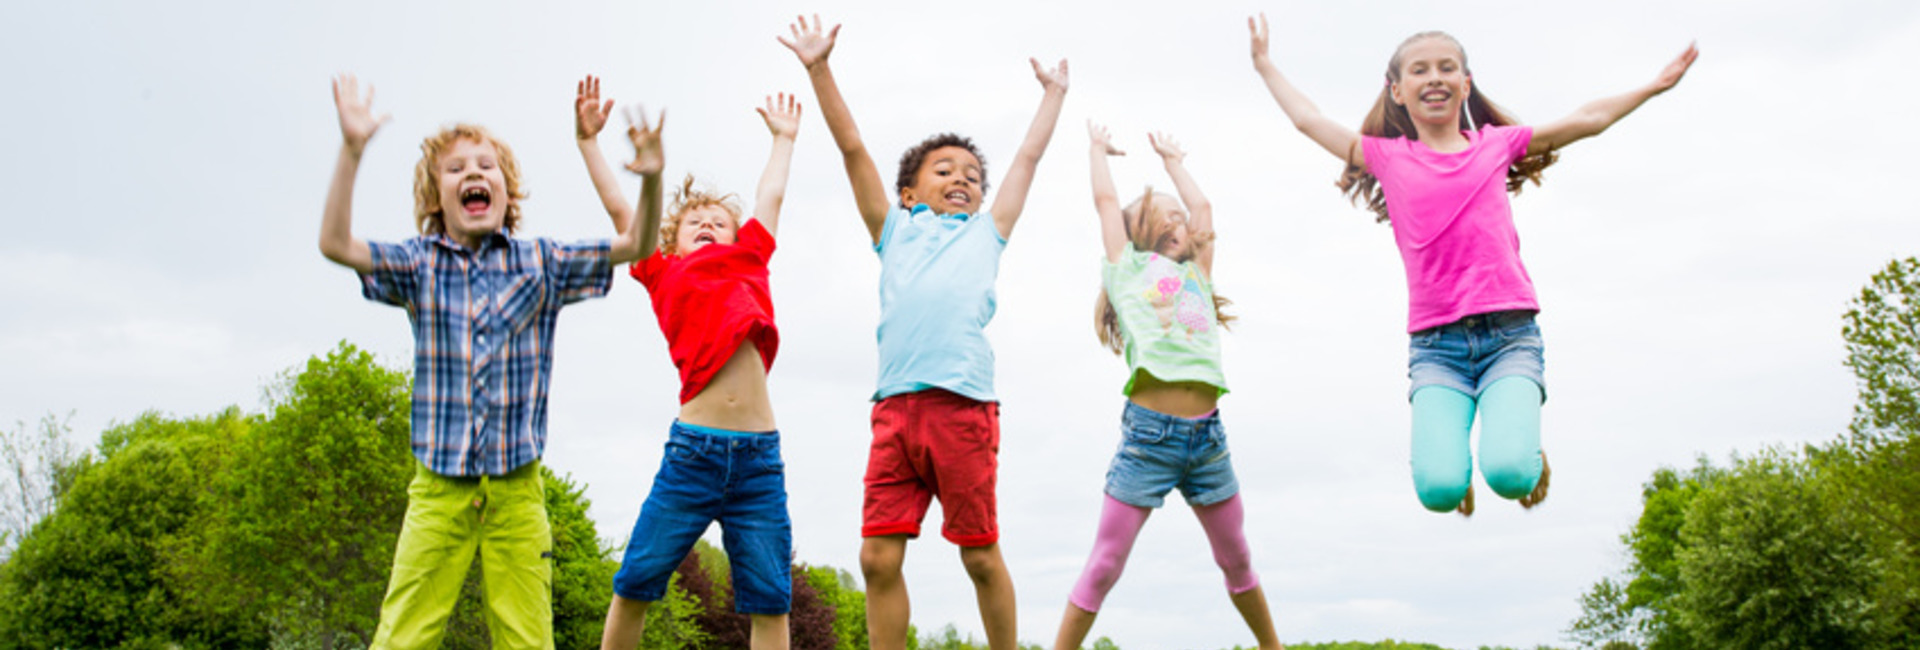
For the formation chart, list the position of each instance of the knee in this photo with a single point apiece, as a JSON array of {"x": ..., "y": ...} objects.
[
  {"x": 1511, "y": 478},
  {"x": 880, "y": 562},
  {"x": 1440, "y": 491},
  {"x": 983, "y": 563}
]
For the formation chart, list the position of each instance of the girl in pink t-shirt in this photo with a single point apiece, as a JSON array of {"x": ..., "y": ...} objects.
[{"x": 1436, "y": 159}]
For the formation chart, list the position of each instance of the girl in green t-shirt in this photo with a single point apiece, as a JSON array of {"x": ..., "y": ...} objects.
[{"x": 1157, "y": 309}]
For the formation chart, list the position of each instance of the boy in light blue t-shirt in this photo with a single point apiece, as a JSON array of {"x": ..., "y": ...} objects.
[{"x": 936, "y": 427}]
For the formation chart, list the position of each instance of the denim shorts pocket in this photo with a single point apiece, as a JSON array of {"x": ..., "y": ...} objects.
[
  {"x": 1143, "y": 434},
  {"x": 679, "y": 452},
  {"x": 1425, "y": 338}
]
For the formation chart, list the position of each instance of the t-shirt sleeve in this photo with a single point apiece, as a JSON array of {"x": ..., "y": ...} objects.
[
  {"x": 894, "y": 215},
  {"x": 394, "y": 278},
  {"x": 755, "y": 238},
  {"x": 647, "y": 271},
  {"x": 1517, "y": 138},
  {"x": 1374, "y": 152},
  {"x": 578, "y": 270}
]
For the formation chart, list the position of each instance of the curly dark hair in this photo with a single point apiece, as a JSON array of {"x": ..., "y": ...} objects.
[{"x": 914, "y": 158}]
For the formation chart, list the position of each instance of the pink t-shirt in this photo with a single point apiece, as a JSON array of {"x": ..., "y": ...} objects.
[{"x": 1453, "y": 224}]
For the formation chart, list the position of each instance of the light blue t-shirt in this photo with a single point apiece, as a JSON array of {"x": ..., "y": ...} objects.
[{"x": 936, "y": 297}]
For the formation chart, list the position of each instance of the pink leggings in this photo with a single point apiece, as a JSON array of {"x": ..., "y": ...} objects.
[{"x": 1120, "y": 524}]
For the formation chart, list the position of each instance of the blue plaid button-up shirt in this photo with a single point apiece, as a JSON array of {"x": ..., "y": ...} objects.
[{"x": 483, "y": 340}]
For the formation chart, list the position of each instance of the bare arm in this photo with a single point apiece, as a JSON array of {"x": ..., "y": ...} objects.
[
  {"x": 1342, "y": 142},
  {"x": 589, "y": 117},
  {"x": 641, "y": 235},
  {"x": 869, "y": 192},
  {"x": 1599, "y": 114},
  {"x": 783, "y": 119},
  {"x": 1199, "y": 210},
  {"x": 1013, "y": 188},
  {"x": 357, "y": 125},
  {"x": 1106, "y": 201}
]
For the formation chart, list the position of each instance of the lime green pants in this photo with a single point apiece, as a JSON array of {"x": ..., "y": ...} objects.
[{"x": 504, "y": 519}]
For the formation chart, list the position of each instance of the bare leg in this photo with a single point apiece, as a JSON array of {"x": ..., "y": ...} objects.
[
  {"x": 770, "y": 632},
  {"x": 1252, "y": 604},
  {"x": 993, "y": 588},
  {"x": 887, "y": 606},
  {"x": 626, "y": 619},
  {"x": 1074, "y": 626}
]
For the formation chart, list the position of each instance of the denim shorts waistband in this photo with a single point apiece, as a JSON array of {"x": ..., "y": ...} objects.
[
  {"x": 696, "y": 431},
  {"x": 1137, "y": 414}
]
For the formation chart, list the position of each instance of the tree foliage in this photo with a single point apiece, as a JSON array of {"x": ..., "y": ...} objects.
[{"x": 38, "y": 462}]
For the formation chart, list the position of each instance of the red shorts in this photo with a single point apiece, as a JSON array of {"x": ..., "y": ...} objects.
[{"x": 933, "y": 443}]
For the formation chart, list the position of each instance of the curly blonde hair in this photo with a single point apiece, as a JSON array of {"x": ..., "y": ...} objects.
[
  {"x": 1147, "y": 233},
  {"x": 427, "y": 216},
  {"x": 1390, "y": 120},
  {"x": 687, "y": 199}
]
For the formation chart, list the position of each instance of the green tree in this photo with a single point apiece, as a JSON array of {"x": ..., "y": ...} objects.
[
  {"x": 838, "y": 589},
  {"x": 36, "y": 462},
  {"x": 96, "y": 571},
  {"x": 1767, "y": 563}
]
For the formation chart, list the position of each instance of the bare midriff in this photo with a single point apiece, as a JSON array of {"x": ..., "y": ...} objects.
[
  {"x": 1186, "y": 399},
  {"x": 736, "y": 399}
]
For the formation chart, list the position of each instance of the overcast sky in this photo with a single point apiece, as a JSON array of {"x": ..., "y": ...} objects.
[{"x": 166, "y": 163}]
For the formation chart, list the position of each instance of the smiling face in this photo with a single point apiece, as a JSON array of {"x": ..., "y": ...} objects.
[
  {"x": 1432, "y": 81},
  {"x": 473, "y": 190},
  {"x": 706, "y": 224},
  {"x": 949, "y": 182}
]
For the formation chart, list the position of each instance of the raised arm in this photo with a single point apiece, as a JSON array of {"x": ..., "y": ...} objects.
[
  {"x": 813, "y": 45},
  {"x": 589, "y": 117},
  {"x": 1599, "y": 114},
  {"x": 1106, "y": 201},
  {"x": 357, "y": 126},
  {"x": 641, "y": 235},
  {"x": 1013, "y": 188},
  {"x": 782, "y": 115},
  {"x": 1342, "y": 142},
  {"x": 1199, "y": 210}
]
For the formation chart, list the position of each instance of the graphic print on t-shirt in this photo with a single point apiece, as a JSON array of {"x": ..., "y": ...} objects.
[{"x": 1175, "y": 295}]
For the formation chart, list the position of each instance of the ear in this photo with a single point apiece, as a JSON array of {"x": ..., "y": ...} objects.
[
  {"x": 908, "y": 199},
  {"x": 1393, "y": 93}
]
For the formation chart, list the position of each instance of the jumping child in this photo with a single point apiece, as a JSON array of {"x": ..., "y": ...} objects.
[
  {"x": 708, "y": 283},
  {"x": 1158, "y": 308},
  {"x": 1436, "y": 159},
  {"x": 936, "y": 428},
  {"x": 483, "y": 306}
]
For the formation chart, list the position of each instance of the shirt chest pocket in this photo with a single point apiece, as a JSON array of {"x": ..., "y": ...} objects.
[{"x": 522, "y": 295}]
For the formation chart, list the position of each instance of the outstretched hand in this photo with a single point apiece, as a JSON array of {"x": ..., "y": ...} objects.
[
  {"x": 1258, "y": 34},
  {"x": 1164, "y": 145},
  {"x": 357, "y": 123},
  {"x": 782, "y": 114},
  {"x": 589, "y": 114},
  {"x": 1102, "y": 140},
  {"x": 1671, "y": 76},
  {"x": 1051, "y": 78},
  {"x": 809, "y": 42},
  {"x": 649, "y": 158}
]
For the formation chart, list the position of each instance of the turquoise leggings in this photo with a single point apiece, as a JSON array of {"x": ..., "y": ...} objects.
[{"x": 1509, "y": 441}]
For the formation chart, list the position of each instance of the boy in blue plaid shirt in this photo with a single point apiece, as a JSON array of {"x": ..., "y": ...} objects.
[{"x": 483, "y": 307}]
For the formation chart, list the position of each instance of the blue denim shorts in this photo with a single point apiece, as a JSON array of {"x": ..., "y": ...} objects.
[
  {"x": 710, "y": 475},
  {"x": 1160, "y": 452},
  {"x": 1470, "y": 354}
]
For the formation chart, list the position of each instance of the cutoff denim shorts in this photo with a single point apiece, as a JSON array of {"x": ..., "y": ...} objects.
[
  {"x": 1160, "y": 452},
  {"x": 1470, "y": 354},
  {"x": 708, "y": 475}
]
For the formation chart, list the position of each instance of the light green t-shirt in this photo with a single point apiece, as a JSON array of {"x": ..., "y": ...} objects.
[{"x": 1166, "y": 318}]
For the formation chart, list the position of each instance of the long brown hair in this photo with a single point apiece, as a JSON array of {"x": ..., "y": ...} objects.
[
  {"x": 1147, "y": 232},
  {"x": 1390, "y": 120}
]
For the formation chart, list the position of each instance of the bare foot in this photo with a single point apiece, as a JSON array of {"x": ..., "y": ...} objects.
[{"x": 1539, "y": 492}]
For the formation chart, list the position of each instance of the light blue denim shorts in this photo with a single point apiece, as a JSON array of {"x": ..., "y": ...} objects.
[
  {"x": 1470, "y": 354},
  {"x": 1160, "y": 452}
]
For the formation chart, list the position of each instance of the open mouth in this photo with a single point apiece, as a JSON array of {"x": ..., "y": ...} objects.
[
  {"x": 958, "y": 197},
  {"x": 476, "y": 199},
  {"x": 1435, "y": 96},
  {"x": 704, "y": 238}
]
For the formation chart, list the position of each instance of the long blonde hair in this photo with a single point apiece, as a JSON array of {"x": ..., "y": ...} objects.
[
  {"x": 1147, "y": 232},
  {"x": 1390, "y": 120}
]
